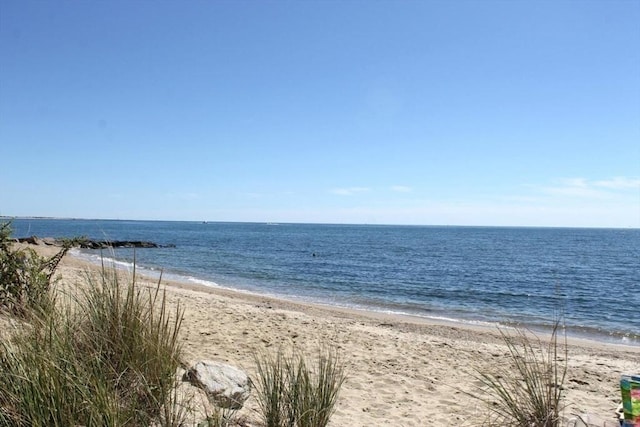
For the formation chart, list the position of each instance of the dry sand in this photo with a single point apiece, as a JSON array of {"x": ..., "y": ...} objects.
[{"x": 401, "y": 371}]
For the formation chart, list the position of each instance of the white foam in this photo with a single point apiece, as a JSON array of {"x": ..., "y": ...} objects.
[
  {"x": 101, "y": 259},
  {"x": 200, "y": 281},
  {"x": 212, "y": 284}
]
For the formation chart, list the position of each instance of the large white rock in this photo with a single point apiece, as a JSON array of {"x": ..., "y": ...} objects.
[{"x": 225, "y": 385}]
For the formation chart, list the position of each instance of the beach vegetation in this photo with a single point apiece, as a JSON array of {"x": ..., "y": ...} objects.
[
  {"x": 222, "y": 417},
  {"x": 527, "y": 392},
  {"x": 294, "y": 391},
  {"x": 106, "y": 357},
  {"x": 25, "y": 277}
]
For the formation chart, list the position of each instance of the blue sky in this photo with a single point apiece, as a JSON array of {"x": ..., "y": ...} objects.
[{"x": 434, "y": 112}]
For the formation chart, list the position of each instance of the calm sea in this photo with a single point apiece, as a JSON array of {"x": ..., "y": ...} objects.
[{"x": 493, "y": 275}]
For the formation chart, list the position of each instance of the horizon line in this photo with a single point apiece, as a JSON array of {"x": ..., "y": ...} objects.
[{"x": 205, "y": 221}]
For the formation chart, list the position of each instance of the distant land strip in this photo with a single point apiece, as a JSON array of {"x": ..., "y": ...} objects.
[{"x": 85, "y": 243}]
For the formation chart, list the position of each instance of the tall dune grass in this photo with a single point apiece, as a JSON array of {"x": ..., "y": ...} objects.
[{"x": 107, "y": 359}]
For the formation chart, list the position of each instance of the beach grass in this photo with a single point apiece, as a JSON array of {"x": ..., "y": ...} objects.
[
  {"x": 296, "y": 391},
  {"x": 108, "y": 356},
  {"x": 222, "y": 417},
  {"x": 529, "y": 390}
]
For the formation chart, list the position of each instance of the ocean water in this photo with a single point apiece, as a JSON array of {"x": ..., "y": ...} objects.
[{"x": 486, "y": 275}]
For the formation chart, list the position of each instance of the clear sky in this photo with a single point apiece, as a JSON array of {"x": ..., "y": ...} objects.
[{"x": 395, "y": 112}]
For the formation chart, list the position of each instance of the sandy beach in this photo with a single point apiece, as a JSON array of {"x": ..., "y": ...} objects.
[{"x": 401, "y": 371}]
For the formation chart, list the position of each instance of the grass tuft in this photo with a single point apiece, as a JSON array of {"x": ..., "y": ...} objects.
[
  {"x": 529, "y": 391},
  {"x": 291, "y": 393}
]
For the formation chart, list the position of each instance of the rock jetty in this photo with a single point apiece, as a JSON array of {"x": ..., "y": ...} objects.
[{"x": 86, "y": 243}]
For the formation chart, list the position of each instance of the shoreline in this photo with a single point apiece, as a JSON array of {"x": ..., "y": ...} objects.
[
  {"x": 401, "y": 372},
  {"x": 542, "y": 331},
  {"x": 381, "y": 316}
]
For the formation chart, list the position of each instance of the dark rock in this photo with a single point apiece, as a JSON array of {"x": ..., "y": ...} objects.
[
  {"x": 32, "y": 240},
  {"x": 93, "y": 244},
  {"x": 103, "y": 244}
]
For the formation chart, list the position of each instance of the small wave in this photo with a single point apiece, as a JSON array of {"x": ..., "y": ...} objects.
[
  {"x": 404, "y": 313},
  {"x": 100, "y": 259},
  {"x": 200, "y": 281},
  {"x": 437, "y": 318},
  {"x": 212, "y": 284},
  {"x": 119, "y": 264}
]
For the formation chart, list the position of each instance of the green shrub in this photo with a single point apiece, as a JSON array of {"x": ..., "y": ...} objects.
[
  {"x": 293, "y": 394},
  {"x": 529, "y": 391},
  {"x": 25, "y": 277}
]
